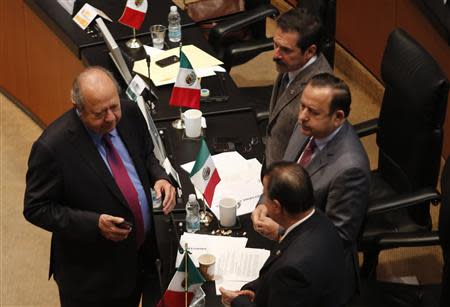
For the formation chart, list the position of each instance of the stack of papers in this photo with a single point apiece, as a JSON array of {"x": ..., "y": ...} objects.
[
  {"x": 235, "y": 264},
  {"x": 205, "y": 244},
  {"x": 203, "y": 64},
  {"x": 240, "y": 179}
]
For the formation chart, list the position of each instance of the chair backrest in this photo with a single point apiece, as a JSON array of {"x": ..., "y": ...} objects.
[
  {"x": 444, "y": 210},
  {"x": 326, "y": 11},
  {"x": 411, "y": 116}
]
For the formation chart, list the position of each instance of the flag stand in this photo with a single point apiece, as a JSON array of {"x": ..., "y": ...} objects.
[
  {"x": 133, "y": 43},
  {"x": 205, "y": 217},
  {"x": 178, "y": 123}
]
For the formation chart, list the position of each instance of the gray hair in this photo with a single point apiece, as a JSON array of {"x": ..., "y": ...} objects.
[{"x": 75, "y": 93}]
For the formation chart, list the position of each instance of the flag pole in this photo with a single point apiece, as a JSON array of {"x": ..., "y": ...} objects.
[
  {"x": 179, "y": 123},
  {"x": 133, "y": 43},
  {"x": 185, "y": 275}
]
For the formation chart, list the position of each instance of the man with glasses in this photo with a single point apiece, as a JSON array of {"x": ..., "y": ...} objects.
[
  {"x": 88, "y": 182},
  {"x": 326, "y": 145},
  {"x": 297, "y": 57}
]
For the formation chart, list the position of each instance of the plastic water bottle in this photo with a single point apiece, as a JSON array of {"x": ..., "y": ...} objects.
[
  {"x": 174, "y": 24},
  {"x": 192, "y": 214}
]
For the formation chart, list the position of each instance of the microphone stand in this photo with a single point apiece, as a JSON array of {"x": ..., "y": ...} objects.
[{"x": 153, "y": 97}]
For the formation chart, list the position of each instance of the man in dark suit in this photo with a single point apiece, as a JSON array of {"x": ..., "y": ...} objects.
[
  {"x": 337, "y": 163},
  {"x": 306, "y": 268},
  {"x": 297, "y": 56},
  {"x": 88, "y": 182}
]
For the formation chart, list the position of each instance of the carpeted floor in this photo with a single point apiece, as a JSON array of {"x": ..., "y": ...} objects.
[{"x": 24, "y": 253}]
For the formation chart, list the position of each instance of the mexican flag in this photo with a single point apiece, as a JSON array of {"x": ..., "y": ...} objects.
[
  {"x": 134, "y": 13},
  {"x": 186, "y": 91},
  {"x": 175, "y": 294},
  {"x": 204, "y": 175}
]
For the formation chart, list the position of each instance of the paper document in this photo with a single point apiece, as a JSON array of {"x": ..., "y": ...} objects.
[
  {"x": 208, "y": 244},
  {"x": 86, "y": 14},
  {"x": 237, "y": 267},
  {"x": 240, "y": 179},
  {"x": 201, "y": 62}
]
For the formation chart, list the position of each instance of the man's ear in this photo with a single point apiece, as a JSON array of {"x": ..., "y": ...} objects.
[
  {"x": 339, "y": 117},
  {"x": 311, "y": 51},
  {"x": 277, "y": 206}
]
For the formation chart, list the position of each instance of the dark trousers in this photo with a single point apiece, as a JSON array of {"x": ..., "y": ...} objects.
[{"x": 147, "y": 287}]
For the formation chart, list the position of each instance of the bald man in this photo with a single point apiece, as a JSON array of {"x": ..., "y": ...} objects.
[{"x": 88, "y": 182}]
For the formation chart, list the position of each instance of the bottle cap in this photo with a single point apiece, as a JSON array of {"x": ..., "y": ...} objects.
[
  {"x": 192, "y": 197},
  {"x": 173, "y": 8},
  {"x": 204, "y": 92}
]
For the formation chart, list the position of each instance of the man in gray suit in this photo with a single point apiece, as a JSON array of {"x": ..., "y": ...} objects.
[
  {"x": 330, "y": 150},
  {"x": 297, "y": 56}
]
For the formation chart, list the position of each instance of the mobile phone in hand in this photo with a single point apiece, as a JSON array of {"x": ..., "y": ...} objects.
[{"x": 125, "y": 225}]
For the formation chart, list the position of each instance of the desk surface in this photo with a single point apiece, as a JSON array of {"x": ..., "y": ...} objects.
[
  {"x": 241, "y": 125},
  {"x": 76, "y": 39},
  {"x": 219, "y": 85}
]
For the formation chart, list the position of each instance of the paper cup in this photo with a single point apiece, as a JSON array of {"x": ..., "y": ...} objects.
[{"x": 206, "y": 262}]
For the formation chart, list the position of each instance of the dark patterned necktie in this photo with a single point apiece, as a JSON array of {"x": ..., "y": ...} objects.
[
  {"x": 283, "y": 84},
  {"x": 125, "y": 185},
  {"x": 305, "y": 158}
]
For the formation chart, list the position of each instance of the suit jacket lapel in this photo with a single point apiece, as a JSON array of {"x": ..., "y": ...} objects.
[
  {"x": 323, "y": 156},
  {"x": 79, "y": 137},
  {"x": 280, "y": 248}
]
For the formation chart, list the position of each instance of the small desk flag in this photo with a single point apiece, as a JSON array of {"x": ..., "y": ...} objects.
[
  {"x": 204, "y": 175},
  {"x": 186, "y": 91},
  {"x": 134, "y": 13},
  {"x": 175, "y": 293}
]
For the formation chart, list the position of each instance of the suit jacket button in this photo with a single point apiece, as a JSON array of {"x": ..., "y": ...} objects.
[
  {"x": 291, "y": 92},
  {"x": 278, "y": 252}
]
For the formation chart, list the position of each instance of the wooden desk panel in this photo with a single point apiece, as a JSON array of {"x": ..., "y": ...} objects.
[
  {"x": 362, "y": 28},
  {"x": 13, "y": 53},
  {"x": 37, "y": 68}
]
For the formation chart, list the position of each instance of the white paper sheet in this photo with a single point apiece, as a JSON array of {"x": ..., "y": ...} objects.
[
  {"x": 240, "y": 179},
  {"x": 236, "y": 268},
  {"x": 199, "y": 244}
]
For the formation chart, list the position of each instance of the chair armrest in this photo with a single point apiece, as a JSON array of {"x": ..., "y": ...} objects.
[
  {"x": 240, "y": 53},
  {"x": 366, "y": 128},
  {"x": 261, "y": 116},
  {"x": 403, "y": 201},
  {"x": 394, "y": 240},
  {"x": 239, "y": 21}
]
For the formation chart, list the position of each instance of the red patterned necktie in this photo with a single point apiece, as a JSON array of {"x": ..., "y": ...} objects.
[
  {"x": 305, "y": 158},
  {"x": 125, "y": 185}
]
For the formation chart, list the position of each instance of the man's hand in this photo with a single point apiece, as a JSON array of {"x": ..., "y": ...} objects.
[
  {"x": 108, "y": 228},
  {"x": 163, "y": 187},
  {"x": 229, "y": 295},
  {"x": 264, "y": 224}
]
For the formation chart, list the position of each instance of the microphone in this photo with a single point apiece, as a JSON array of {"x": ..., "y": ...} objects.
[{"x": 153, "y": 97}]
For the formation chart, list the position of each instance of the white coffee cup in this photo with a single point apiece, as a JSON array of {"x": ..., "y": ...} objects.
[
  {"x": 193, "y": 123},
  {"x": 227, "y": 211}
]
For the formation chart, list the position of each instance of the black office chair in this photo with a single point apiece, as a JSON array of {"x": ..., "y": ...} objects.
[
  {"x": 379, "y": 294},
  {"x": 444, "y": 232},
  {"x": 409, "y": 136},
  {"x": 245, "y": 30}
]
